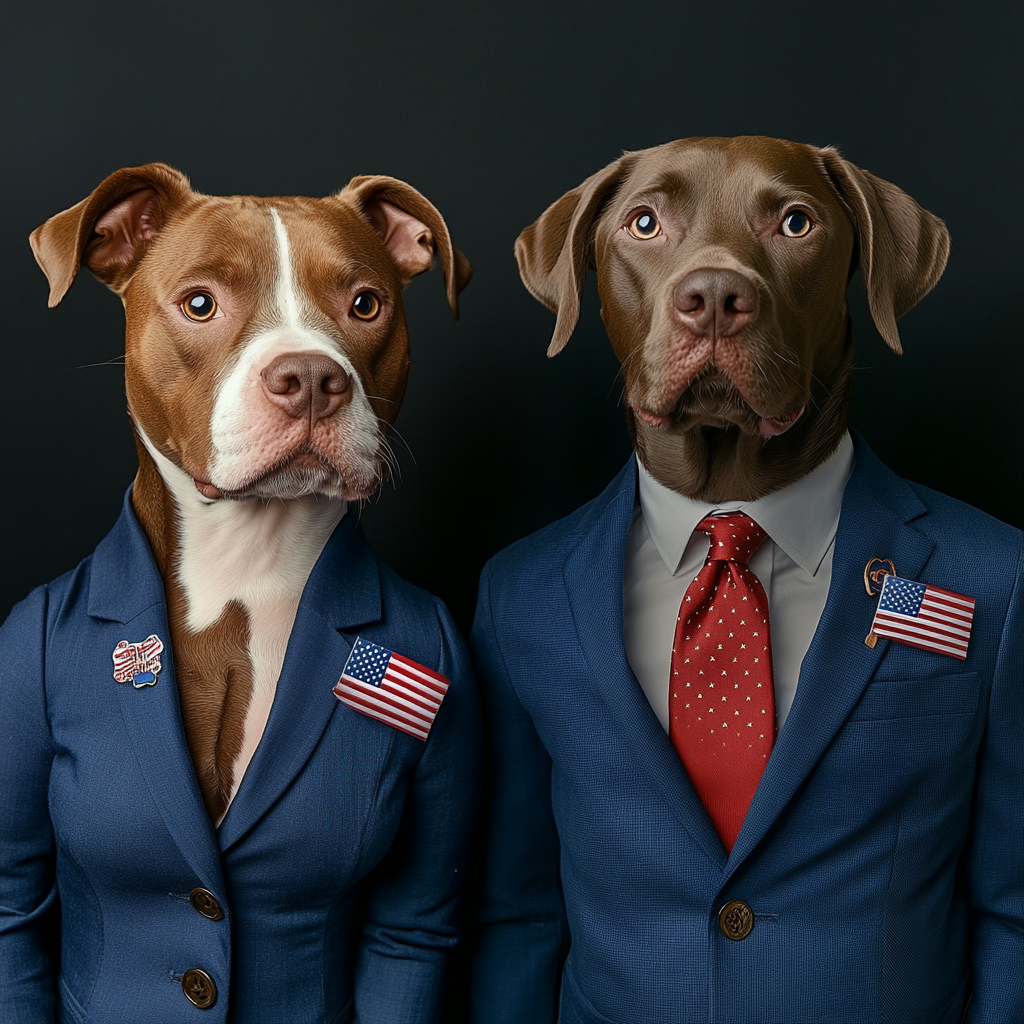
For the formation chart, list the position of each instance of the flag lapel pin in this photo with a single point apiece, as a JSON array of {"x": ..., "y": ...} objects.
[
  {"x": 924, "y": 616},
  {"x": 391, "y": 688},
  {"x": 138, "y": 663}
]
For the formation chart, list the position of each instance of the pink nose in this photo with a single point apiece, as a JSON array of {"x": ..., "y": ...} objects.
[
  {"x": 307, "y": 386},
  {"x": 714, "y": 302}
]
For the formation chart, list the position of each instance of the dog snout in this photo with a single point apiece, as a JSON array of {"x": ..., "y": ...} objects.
[
  {"x": 715, "y": 302},
  {"x": 312, "y": 386}
]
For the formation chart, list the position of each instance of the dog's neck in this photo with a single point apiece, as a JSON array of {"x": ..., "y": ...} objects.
[
  {"x": 253, "y": 551},
  {"x": 716, "y": 464},
  {"x": 233, "y": 574}
]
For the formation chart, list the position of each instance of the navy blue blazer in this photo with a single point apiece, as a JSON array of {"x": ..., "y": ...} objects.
[
  {"x": 339, "y": 862},
  {"x": 883, "y": 854}
]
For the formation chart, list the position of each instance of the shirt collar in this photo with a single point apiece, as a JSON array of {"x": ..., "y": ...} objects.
[{"x": 801, "y": 518}]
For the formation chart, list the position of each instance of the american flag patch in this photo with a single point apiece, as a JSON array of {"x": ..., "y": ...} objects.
[
  {"x": 923, "y": 616},
  {"x": 394, "y": 690},
  {"x": 138, "y": 663}
]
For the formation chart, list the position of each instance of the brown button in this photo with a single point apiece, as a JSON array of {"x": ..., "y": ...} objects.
[
  {"x": 736, "y": 920},
  {"x": 206, "y": 903},
  {"x": 198, "y": 986}
]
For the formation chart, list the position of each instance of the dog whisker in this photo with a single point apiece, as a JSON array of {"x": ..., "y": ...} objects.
[{"x": 113, "y": 361}]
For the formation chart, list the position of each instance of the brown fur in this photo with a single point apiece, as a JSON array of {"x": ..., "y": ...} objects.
[
  {"x": 153, "y": 240},
  {"x": 704, "y": 411}
]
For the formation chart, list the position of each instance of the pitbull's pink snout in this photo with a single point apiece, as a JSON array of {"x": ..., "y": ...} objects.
[
  {"x": 715, "y": 302},
  {"x": 309, "y": 386}
]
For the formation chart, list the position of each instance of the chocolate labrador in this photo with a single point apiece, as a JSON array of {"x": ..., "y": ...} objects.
[{"x": 722, "y": 266}]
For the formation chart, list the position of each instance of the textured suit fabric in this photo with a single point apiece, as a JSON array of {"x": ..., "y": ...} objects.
[
  {"x": 339, "y": 863},
  {"x": 883, "y": 853}
]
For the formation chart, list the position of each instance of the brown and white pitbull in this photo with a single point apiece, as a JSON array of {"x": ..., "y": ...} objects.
[
  {"x": 266, "y": 356},
  {"x": 722, "y": 266}
]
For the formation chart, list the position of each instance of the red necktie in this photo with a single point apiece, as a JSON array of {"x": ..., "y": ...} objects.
[{"x": 721, "y": 698}]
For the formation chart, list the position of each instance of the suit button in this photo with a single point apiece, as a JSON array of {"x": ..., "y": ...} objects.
[
  {"x": 199, "y": 988},
  {"x": 736, "y": 920},
  {"x": 206, "y": 903}
]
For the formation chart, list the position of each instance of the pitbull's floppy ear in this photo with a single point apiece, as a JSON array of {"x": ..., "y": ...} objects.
[
  {"x": 903, "y": 248},
  {"x": 411, "y": 228},
  {"x": 555, "y": 251},
  {"x": 110, "y": 229}
]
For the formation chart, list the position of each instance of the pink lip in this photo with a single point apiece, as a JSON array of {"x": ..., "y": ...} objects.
[
  {"x": 772, "y": 426},
  {"x": 649, "y": 417},
  {"x": 207, "y": 490}
]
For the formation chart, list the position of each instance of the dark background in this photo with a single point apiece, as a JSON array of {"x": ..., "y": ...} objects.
[{"x": 493, "y": 112}]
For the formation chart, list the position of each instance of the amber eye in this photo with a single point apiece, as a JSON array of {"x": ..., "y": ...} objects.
[
  {"x": 643, "y": 224},
  {"x": 199, "y": 306},
  {"x": 366, "y": 306},
  {"x": 796, "y": 224}
]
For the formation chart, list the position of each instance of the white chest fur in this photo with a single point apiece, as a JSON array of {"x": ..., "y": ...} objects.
[{"x": 258, "y": 554}]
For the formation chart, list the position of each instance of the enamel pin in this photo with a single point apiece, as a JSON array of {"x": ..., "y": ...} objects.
[
  {"x": 923, "y": 616},
  {"x": 875, "y": 572},
  {"x": 138, "y": 663}
]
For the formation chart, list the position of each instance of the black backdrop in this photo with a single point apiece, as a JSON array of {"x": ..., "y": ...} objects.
[{"x": 493, "y": 111}]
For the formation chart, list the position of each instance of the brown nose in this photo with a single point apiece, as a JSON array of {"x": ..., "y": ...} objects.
[
  {"x": 312, "y": 386},
  {"x": 716, "y": 302}
]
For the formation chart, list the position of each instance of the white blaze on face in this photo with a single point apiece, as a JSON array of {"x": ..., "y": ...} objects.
[{"x": 251, "y": 436}]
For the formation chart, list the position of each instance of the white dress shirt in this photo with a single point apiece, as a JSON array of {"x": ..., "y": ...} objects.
[{"x": 793, "y": 563}]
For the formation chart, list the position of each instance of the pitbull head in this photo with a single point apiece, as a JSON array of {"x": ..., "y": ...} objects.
[
  {"x": 266, "y": 348},
  {"x": 722, "y": 267}
]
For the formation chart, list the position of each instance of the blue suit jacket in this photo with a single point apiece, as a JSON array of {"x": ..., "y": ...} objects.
[
  {"x": 338, "y": 864},
  {"x": 883, "y": 854}
]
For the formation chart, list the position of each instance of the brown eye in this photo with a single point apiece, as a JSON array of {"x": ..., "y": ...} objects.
[
  {"x": 796, "y": 224},
  {"x": 644, "y": 225},
  {"x": 200, "y": 307},
  {"x": 365, "y": 306}
]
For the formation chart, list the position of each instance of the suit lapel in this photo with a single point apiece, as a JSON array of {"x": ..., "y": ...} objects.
[
  {"x": 126, "y": 588},
  {"x": 877, "y": 508},
  {"x": 594, "y": 583},
  {"x": 343, "y": 592}
]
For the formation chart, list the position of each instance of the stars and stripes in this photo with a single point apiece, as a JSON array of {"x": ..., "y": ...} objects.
[
  {"x": 138, "y": 663},
  {"x": 924, "y": 616},
  {"x": 391, "y": 688}
]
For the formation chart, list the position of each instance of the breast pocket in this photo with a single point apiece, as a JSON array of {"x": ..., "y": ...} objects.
[{"x": 933, "y": 696}]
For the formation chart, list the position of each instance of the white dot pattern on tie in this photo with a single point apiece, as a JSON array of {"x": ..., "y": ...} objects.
[{"x": 721, "y": 697}]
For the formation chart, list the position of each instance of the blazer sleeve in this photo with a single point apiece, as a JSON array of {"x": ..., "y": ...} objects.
[
  {"x": 28, "y": 888},
  {"x": 522, "y": 935},
  {"x": 995, "y": 861},
  {"x": 410, "y": 921}
]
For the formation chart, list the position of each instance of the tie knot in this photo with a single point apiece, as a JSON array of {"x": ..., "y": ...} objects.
[{"x": 734, "y": 537}]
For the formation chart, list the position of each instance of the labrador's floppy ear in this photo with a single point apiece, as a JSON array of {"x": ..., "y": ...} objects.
[
  {"x": 411, "y": 229},
  {"x": 110, "y": 229},
  {"x": 903, "y": 248},
  {"x": 556, "y": 250}
]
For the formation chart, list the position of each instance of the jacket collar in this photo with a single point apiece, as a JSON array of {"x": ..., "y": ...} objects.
[{"x": 124, "y": 579}]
